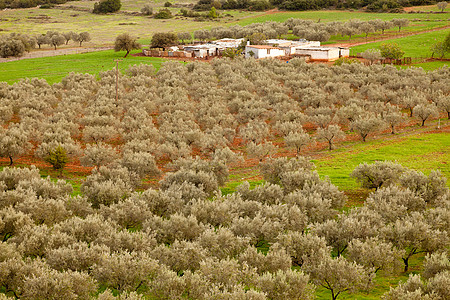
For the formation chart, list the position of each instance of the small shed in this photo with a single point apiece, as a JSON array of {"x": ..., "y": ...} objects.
[
  {"x": 320, "y": 53},
  {"x": 344, "y": 52},
  {"x": 263, "y": 51},
  {"x": 203, "y": 50}
]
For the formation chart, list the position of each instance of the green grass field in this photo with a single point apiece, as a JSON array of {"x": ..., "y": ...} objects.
[
  {"x": 342, "y": 15},
  {"x": 413, "y": 46},
  {"x": 423, "y": 152},
  {"x": 53, "y": 69}
]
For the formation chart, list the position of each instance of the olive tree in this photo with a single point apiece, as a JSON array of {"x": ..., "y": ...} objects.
[
  {"x": 297, "y": 140},
  {"x": 377, "y": 174},
  {"x": 126, "y": 42},
  {"x": 57, "y": 40},
  {"x": 442, "y": 5},
  {"x": 426, "y": 111},
  {"x": 371, "y": 55},
  {"x": 331, "y": 134},
  {"x": 81, "y": 37},
  {"x": 338, "y": 275},
  {"x": 366, "y": 125},
  {"x": 13, "y": 142}
]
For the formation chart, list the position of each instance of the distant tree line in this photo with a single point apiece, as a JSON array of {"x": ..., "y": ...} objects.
[
  {"x": 306, "y": 29},
  {"x": 17, "y": 44},
  {"x": 28, "y": 3},
  {"x": 371, "y": 5}
]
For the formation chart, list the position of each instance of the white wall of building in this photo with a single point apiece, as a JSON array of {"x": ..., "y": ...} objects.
[
  {"x": 265, "y": 52},
  {"x": 345, "y": 52},
  {"x": 328, "y": 54}
]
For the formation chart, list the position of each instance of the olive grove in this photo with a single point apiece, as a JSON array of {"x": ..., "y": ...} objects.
[{"x": 184, "y": 127}]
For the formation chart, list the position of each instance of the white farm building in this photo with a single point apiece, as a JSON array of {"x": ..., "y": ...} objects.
[
  {"x": 323, "y": 53},
  {"x": 263, "y": 51}
]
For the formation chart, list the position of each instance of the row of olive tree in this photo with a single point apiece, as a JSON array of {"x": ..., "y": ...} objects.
[
  {"x": 17, "y": 44},
  {"x": 175, "y": 241},
  {"x": 203, "y": 108},
  {"x": 307, "y": 29}
]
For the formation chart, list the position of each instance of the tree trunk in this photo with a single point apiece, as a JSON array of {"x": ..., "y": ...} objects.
[
  {"x": 364, "y": 138},
  {"x": 411, "y": 112},
  {"x": 329, "y": 145},
  {"x": 126, "y": 54},
  {"x": 423, "y": 122},
  {"x": 393, "y": 129},
  {"x": 55, "y": 47},
  {"x": 10, "y": 161},
  {"x": 80, "y": 43},
  {"x": 405, "y": 260},
  {"x": 448, "y": 115}
]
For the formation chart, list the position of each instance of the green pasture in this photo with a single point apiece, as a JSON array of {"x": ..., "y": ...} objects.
[
  {"x": 54, "y": 68},
  {"x": 422, "y": 151},
  {"x": 343, "y": 15},
  {"x": 414, "y": 45}
]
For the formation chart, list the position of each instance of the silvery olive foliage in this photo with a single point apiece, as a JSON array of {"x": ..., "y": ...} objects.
[{"x": 150, "y": 221}]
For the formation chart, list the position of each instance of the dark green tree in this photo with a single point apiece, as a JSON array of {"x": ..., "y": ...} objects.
[
  {"x": 57, "y": 158},
  {"x": 164, "y": 39},
  {"x": 164, "y": 14},
  {"x": 107, "y": 6}
]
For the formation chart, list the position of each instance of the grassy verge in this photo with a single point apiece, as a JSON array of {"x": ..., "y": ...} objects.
[{"x": 53, "y": 69}]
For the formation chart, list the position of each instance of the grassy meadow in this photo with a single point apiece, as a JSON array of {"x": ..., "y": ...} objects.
[{"x": 53, "y": 69}]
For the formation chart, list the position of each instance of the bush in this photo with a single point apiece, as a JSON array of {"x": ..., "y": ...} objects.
[
  {"x": 164, "y": 14},
  {"x": 164, "y": 39},
  {"x": 345, "y": 60},
  {"x": 16, "y": 44},
  {"x": 147, "y": 10},
  {"x": 391, "y": 50},
  {"x": 167, "y": 4},
  {"x": 259, "y": 5},
  {"x": 57, "y": 158},
  {"x": 107, "y": 6}
]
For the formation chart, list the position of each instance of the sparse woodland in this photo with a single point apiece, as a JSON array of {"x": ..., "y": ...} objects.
[{"x": 185, "y": 125}]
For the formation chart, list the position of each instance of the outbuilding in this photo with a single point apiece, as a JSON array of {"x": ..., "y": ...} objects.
[
  {"x": 320, "y": 53},
  {"x": 263, "y": 51}
]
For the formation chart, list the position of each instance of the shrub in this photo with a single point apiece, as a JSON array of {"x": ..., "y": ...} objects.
[
  {"x": 107, "y": 6},
  {"x": 147, "y": 10},
  {"x": 164, "y": 14},
  {"x": 164, "y": 39},
  {"x": 345, "y": 60},
  {"x": 391, "y": 50},
  {"x": 57, "y": 158}
]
